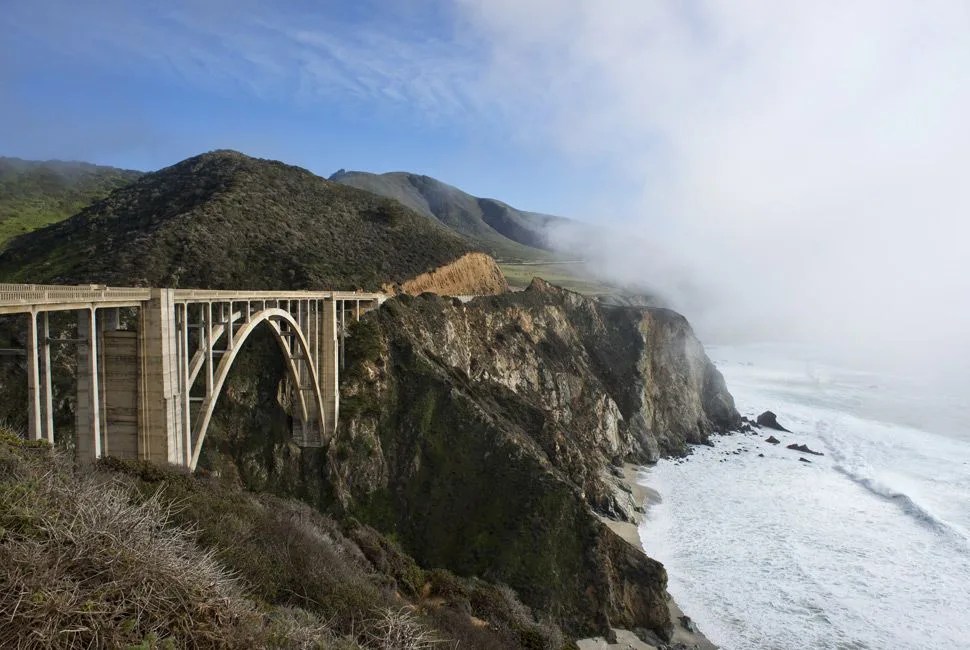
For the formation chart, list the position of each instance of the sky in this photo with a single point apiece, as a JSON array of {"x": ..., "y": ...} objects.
[
  {"x": 773, "y": 169},
  {"x": 375, "y": 86}
]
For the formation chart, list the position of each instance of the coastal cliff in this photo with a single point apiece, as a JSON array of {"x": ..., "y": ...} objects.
[{"x": 482, "y": 435}]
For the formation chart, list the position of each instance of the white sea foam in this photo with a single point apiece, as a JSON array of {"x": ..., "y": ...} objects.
[{"x": 864, "y": 547}]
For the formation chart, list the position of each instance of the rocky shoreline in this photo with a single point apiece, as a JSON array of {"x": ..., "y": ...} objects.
[{"x": 635, "y": 499}]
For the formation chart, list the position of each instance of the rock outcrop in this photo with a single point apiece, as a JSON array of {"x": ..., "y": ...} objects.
[
  {"x": 804, "y": 449},
  {"x": 770, "y": 420},
  {"x": 480, "y": 434},
  {"x": 471, "y": 274}
]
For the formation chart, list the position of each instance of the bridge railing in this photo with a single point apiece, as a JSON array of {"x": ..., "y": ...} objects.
[
  {"x": 201, "y": 295},
  {"x": 21, "y": 297},
  {"x": 46, "y": 294}
]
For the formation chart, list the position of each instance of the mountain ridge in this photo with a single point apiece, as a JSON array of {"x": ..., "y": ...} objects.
[
  {"x": 226, "y": 220},
  {"x": 500, "y": 229}
]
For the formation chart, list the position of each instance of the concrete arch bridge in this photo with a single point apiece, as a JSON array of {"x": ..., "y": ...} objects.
[{"x": 150, "y": 392}]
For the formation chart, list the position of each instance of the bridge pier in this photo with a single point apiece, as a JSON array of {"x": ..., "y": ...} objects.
[
  {"x": 327, "y": 364},
  {"x": 87, "y": 414},
  {"x": 119, "y": 387},
  {"x": 35, "y": 389},
  {"x": 47, "y": 397},
  {"x": 160, "y": 418}
]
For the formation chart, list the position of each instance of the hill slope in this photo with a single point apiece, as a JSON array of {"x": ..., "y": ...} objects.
[
  {"x": 134, "y": 555},
  {"x": 34, "y": 193},
  {"x": 225, "y": 220},
  {"x": 497, "y": 227}
]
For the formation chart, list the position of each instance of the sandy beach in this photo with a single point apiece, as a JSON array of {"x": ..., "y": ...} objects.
[{"x": 643, "y": 497}]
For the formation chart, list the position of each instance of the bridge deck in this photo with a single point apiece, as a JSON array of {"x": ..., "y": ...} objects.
[{"x": 24, "y": 298}]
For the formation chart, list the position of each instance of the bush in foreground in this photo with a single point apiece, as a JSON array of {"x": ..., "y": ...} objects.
[{"x": 84, "y": 565}]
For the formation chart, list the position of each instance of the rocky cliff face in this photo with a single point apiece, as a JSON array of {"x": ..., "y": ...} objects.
[
  {"x": 471, "y": 274},
  {"x": 481, "y": 433}
]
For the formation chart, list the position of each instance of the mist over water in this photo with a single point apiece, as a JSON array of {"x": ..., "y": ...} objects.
[{"x": 783, "y": 171}]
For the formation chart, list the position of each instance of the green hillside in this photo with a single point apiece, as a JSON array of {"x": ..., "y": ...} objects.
[
  {"x": 505, "y": 232},
  {"x": 34, "y": 194},
  {"x": 226, "y": 220}
]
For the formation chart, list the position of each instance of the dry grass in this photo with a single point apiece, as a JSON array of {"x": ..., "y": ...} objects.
[
  {"x": 103, "y": 559},
  {"x": 84, "y": 565},
  {"x": 398, "y": 629}
]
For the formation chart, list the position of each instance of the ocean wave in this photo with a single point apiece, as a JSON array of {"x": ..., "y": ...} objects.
[
  {"x": 850, "y": 464},
  {"x": 904, "y": 502}
]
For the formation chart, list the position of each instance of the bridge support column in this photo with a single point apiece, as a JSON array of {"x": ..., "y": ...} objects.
[
  {"x": 47, "y": 398},
  {"x": 35, "y": 390},
  {"x": 88, "y": 413},
  {"x": 327, "y": 363},
  {"x": 342, "y": 326},
  {"x": 160, "y": 419}
]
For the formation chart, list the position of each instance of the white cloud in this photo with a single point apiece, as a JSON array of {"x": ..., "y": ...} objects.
[
  {"x": 272, "y": 52},
  {"x": 803, "y": 162}
]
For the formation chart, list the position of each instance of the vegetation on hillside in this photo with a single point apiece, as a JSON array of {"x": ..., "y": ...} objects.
[
  {"x": 568, "y": 275},
  {"x": 34, "y": 194},
  {"x": 225, "y": 220},
  {"x": 137, "y": 555},
  {"x": 498, "y": 228}
]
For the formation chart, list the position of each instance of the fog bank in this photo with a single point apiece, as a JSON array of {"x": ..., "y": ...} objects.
[{"x": 802, "y": 166}]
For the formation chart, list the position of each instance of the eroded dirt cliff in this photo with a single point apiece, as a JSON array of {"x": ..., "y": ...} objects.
[{"x": 471, "y": 274}]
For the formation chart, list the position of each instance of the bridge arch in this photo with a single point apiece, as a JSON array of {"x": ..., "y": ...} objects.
[{"x": 295, "y": 349}]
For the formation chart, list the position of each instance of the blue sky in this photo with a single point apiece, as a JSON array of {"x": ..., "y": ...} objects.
[
  {"x": 377, "y": 86},
  {"x": 772, "y": 168}
]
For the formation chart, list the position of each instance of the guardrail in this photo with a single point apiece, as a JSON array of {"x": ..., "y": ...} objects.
[
  {"x": 182, "y": 295},
  {"x": 16, "y": 298},
  {"x": 40, "y": 294}
]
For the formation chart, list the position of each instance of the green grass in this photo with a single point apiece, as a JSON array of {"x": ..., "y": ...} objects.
[
  {"x": 498, "y": 229},
  {"x": 568, "y": 275},
  {"x": 36, "y": 194},
  {"x": 26, "y": 217}
]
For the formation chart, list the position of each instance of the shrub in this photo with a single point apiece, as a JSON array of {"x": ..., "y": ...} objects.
[
  {"x": 82, "y": 566},
  {"x": 86, "y": 564},
  {"x": 397, "y": 629},
  {"x": 445, "y": 584}
]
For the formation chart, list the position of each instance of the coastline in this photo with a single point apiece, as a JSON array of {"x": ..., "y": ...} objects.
[{"x": 641, "y": 498}]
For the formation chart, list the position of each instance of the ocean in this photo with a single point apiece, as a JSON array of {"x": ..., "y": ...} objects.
[{"x": 866, "y": 547}]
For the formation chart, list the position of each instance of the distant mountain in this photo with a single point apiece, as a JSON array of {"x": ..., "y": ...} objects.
[
  {"x": 35, "y": 193},
  {"x": 223, "y": 220},
  {"x": 497, "y": 227}
]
